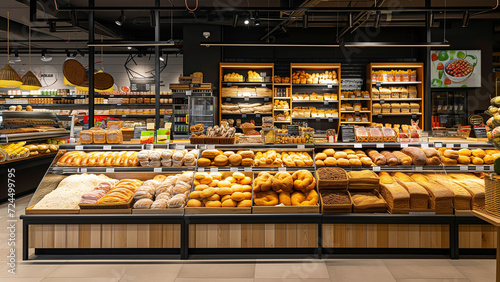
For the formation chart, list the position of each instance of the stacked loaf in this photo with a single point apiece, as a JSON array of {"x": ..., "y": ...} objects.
[
  {"x": 213, "y": 157},
  {"x": 396, "y": 196},
  {"x": 163, "y": 192},
  {"x": 167, "y": 158}
]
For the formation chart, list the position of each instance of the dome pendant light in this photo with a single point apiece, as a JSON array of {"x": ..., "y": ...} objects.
[
  {"x": 30, "y": 81},
  {"x": 8, "y": 76}
]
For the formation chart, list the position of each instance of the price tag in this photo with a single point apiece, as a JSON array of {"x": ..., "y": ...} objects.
[
  {"x": 380, "y": 116},
  {"x": 79, "y": 147},
  {"x": 124, "y": 115},
  {"x": 464, "y": 145},
  {"x": 325, "y": 102},
  {"x": 378, "y": 84},
  {"x": 449, "y": 145},
  {"x": 83, "y": 170},
  {"x": 246, "y": 99},
  {"x": 330, "y": 119},
  {"x": 263, "y": 85},
  {"x": 479, "y": 168},
  {"x": 419, "y": 168},
  {"x": 210, "y": 147},
  {"x": 188, "y": 92},
  {"x": 380, "y": 146},
  {"x": 110, "y": 169},
  {"x": 247, "y": 169},
  {"x": 244, "y": 115},
  {"x": 382, "y": 102},
  {"x": 118, "y": 104},
  {"x": 404, "y": 145},
  {"x": 376, "y": 168},
  {"x": 301, "y": 146},
  {"x": 438, "y": 145},
  {"x": 111, "y": 96},
  {"x": 228, "y": 99},
  {"x": 229, "y": 84},
  {"x": 201, "y": 169},
  {"x": 266, "y": 99},
  {"x": 281, "y": 168},
  {"x": 214, "y": 169},
  {"x": 413, "y": 116},
  {"x": 464, "y": 168},
  {"x": 358, "y": 145},
  {"x": 424, "y": 146},
  {"x": 329, "y": 86},
  {"x": 157, "y": 169},
  {"x": 180, "y": 147},
  {"x": 318, "y": 119},
  {"x": 233, "y": 169},
  {"x": 356, "y": 113},
  {"x": 257, "y": 115},
  {"x": 149, "y": 146},
  {"x": 106, "y": 147}
]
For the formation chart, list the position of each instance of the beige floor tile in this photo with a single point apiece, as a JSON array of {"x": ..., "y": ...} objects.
[
  {"x": 15, "y": 279},
  {"x": 476, "y": 270},
  {"x": 359, "y": 271},
  {"x": 115, "y": 271},
  {"x": 216, "y": 270},
  {"x": 73, "y": 279},
  {"x": 148, "y": 272},
  {"x": 305, "y": 270},
  {"x": 292, "y": 280},
  {"x": 435, "y": 280},
  {"x": 27, "y": 270},
  {"x": 216, "y": 280},
  {"x": 422, "y": 268}
]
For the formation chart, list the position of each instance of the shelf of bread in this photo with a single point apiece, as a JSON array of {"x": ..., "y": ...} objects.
[
  {"x": 396, "y": 99},
  {"x": 397, "y": 114},
  {"x": 28, "y": 136},
  {"x": 396, "y": 82}
]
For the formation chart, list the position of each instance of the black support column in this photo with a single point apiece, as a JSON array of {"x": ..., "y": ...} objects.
[
  {"x": 427, "y": 72},
  {"x": 91, "y": 65},
  {"x": 157, "y": 66}
]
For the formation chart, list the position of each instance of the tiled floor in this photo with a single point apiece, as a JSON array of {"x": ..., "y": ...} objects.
[{"x": 261, "y": 270}]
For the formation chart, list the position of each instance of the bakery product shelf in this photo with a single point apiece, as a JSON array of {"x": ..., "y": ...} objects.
[
  {"x": 412, "y": 168},
  {"x": 125, "y": 104},
  {"x": 131, "y": 116},
  {"x": 281, "y": 98},
  {"x": 282, "y": 110},
  {"x": 69, "y": 170},
  {"x": 397, "y": 99},
  {"x": 398, "y": 114},
  {"x": 44, "y": 96},
  {"x": 316, "y": 85},
  {"x": 356, "y": 122},
  {"x": 356, "y": 99},
  {"x": 312, "y": 118},
  {"x": 247, "y": 97},
  {"x": 5, "y": 138},
  {"x": 54, "y": 105},
  {"x": 314, "y": 101},
  {"x": 398, "y": 83},
  {"x": 261, "y": 84},
  {"x": 352, "y": 112},
  {"x": 237, "y": 114}
]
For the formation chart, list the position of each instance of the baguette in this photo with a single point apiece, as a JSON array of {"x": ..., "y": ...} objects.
[
  {"x": 376, "y": 157},
  {"x": 417, "y": 155},
  {"x": 403, "y": 158},
  {"x": 391, "y": 158}
]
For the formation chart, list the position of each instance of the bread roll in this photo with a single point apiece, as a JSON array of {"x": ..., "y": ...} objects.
[
  {"x": 391, "y": 158},
  {"x": 246, "y": 154},
  {"x": 320, "y": 156},
  {"x": 235, "y": 160},
  {"x": 479, "y": 153},
  {"x": 210, "y": 154},
  {"x": 376, "y": 157},
  {"x": 204, "y": 162},
  {"x": 403, "y": 158},
  {"x": 449, "y": 161},
  {"x": 452, "y": 154},
  {"x": 330, "y": 161},
  {"x": 463, "y": 159},
  {"x": 221, "y": 160},
  {"x": 464, "y": 152},
  {"x": 417, "y": 155},
  {"x": 477, "y": 161}
]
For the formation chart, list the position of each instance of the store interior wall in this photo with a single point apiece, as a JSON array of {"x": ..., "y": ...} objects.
[{"x": 51, "y": 73}]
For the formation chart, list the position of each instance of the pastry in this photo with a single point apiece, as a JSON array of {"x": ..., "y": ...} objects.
[
  {"x": 263, "y": 182},
  {"x": 376, "y": 157},
  {"x": 303, "y": 180},
  {"x": 282, "y": 181},
  {"x": 235, "y": 159},
  {"x": 452, "y": 154},
  {"x": 305, "y": 199},
  {"x": 391, "y": 158},
  {"x": 266, "y": 198},
  {"x": 285, "y": 198}
]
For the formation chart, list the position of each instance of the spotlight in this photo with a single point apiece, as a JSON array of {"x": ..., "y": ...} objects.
[
  {"x": 257, "y": 19},
  {"x": 350, "y": 20},
  {"x": 465, "y": 21},
  {"x": 16, "y": 58},
  {"x": 431, "y": 19},
  {"x": 377, "y": 19},
  {"x": 45, "y": 57},
  {"x": 129, "y": 47},
  {"x": 161, "y": 57},
  {"x": 235, "y": 20},
  {"x": 120, "y": 19},
  {"x": 247, "y": 21},
  {"x": 306, "y": 21}
]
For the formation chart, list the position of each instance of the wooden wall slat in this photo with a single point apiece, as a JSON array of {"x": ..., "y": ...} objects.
[
  {"x": 414, "y": 236},
  {"x": 192, "y": 235},
  {"x": 246, "y": 235},
  {"x": 119, "y": 236},
  {"x": 463, "y": 236},
  {"x": 143, "y": 235},
  {"x": 328, "y": 237},
  {"x": 212, "y": 238},
  {"x": 95, "y": 235},
  {"x": 259, "y": 236},
  {"x": 280, "y": 236},
  {"x": 72, "y": 236},
  {"x": 107, "y": 236},
  {"x": 425, "y": 236},
  {"x": 445, "y": 236},
  {"x": 37, "y": 236},
  {"x": 168, "y": 236},
  {"x": 235, "y": 235},
  {"x": 48, "y": 235},
  {"x": 392, "y": 238},
  {"x": 223, "y": 236},
  {"x": 155, "y": 236},
  {"x": 403, "y": 235},
  {"x": 269, "y": 235},
  {"x": 84, "y": 236},
  {"x": 371, "y": 235},
  {"x": 291, "y": 236},
  {"x": 201, "y": 235},
  {"x": 59, "y": 236},
  {"x": 312, "y": 236},
  {"x": 382, "y": 235},
  {"x": 131, "y": 235},
  {"x": 475, "y": 236},
  {"x": 339, "y": 235},
  {"x": 176, "y": 238}
]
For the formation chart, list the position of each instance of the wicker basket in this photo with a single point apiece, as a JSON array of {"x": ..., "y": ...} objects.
[{"x": 492, "y": 195}]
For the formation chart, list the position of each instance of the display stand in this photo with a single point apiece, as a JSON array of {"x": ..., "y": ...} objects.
[{"x": 495, "y": 221}]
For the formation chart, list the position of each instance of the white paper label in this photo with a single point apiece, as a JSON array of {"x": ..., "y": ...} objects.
[
  {"x": 257, "y": 115},
  {"x": 479, "y": 168},
  {"x": 157, "y": 169},
  {"x": 111, "y": 96},
  {"x": 330, "y": 120},
  {"x": 449, "y": 145},
  {"x": 330, "y": 86},
  {"x": 358, "y": 145},
  {"x": 326, "y": 103},
  {"x": 438, "y": 145},
  {"x": 106, "y": 147},
  {"x": 180, "y": 147},
  {"x": 78, "y": 147},
  {"x": 281, "y": 168},
  {"x": 210, "y": 147},
  {"x": 331, "y": 139},
  {"x": 244, "y": 115},
  {"x": 464, "y": 145},
  {"x": 247, "y": 99},
  {"x": 233, "y": 169},
  {"x": 464, "y": 168},
  {"x": 404, "y": 145},
  {"x": 149, "y": 146},
  {"x": 214, "y": 169},
  {"x": 301, "y": 146},
  {"x": 124, "y": 115},
  {"x": 263, "y": 85},
  {"x": 424, "y": 146},
  {"x": 201, "y": 169},
  {"x": 110, "y": 169},
  {"x": 247, "y": 169},
  {"x": 376, "y": 168},
  {"x": 188, "y": 92},
  {"x": 380, "y": 146},
  {"x": 83, "y": 170},
  {"x": 419, "y": 168},
  {"x": 118, "y": 104}
]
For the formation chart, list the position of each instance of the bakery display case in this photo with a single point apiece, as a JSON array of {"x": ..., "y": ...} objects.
[
  {"x": 397, "y": 93},
  {"x": 201, "y": 110},
  {"x": 449, "y": 109},
  {"x": 246, "y": 93}
]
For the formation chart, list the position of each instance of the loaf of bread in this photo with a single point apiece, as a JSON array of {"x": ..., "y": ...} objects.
[
  {"x": 394, "y": 194},
  {"x": 462, "y": 198},
  {"x": 367, "y": 200},
  {"x": 417, "y": 155},
  {"x": 391, "y": 158},
  {"x": 476, "y": 190},
  {"x": 432, "y": 156},
  {"x": 376, "y": 157},
  {"x": 449, "y": 161},
  {"x": 419, "y": 197},
  {"x": 364, "y": 180},
  {"x": 441, "y": 198},
  {"x": 452, "y": 154},
  {"x": 403, "y": 158}
]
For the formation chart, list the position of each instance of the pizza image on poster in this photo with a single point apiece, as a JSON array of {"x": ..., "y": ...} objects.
[{"x": 455, "y": 68}]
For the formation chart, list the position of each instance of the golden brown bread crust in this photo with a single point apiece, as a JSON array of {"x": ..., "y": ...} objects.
[
  {"x": 403, "y": 158},
  {"x": 391, "y": 158},
  {"x": 417, "y": 155},
  {"x": 376, "y": 157}
]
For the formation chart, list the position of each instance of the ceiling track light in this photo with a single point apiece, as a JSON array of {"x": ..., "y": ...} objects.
[
  {"x": 246, "y": 21},
  {"x": 465, "y": 21},
  {"x": 305, "y": 24},
  {"x": 350, "y": 20},
  {"x": 378, "y": 15},
  {"x": 257, "y": 19},
  {"x": 235, "y": 20},
  {"x": 45, "y": 57},
  {"x": 161, "y": 57},
  {"x": 347, "y": 44},
  {"x": 120, "y": 19}
]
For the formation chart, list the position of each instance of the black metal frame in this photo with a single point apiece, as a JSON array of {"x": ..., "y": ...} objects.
[{"x": 453, "y": 221}]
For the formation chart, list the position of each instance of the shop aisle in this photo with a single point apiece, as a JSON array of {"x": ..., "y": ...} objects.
[{"x": 260, "y": 270}]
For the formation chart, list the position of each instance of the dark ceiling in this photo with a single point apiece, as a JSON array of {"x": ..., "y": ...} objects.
[{"x": 56, "y": 29}]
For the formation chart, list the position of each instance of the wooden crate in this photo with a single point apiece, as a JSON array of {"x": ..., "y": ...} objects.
[
  {"x": 30, "y": 210},
  {"x": 285, "y": 209},
  {"x": 329, "y": 209}
]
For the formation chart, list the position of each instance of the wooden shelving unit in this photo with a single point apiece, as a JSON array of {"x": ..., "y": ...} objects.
[
  {"x": 319, "y": 88},
  {"x": 243, "y": 68},
  {"x": 397, "y": 118}
]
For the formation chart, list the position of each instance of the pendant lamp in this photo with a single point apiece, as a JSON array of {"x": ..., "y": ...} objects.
[
  {"x": 8, "y": 76},
  {"x": 30, "y": 81}
]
